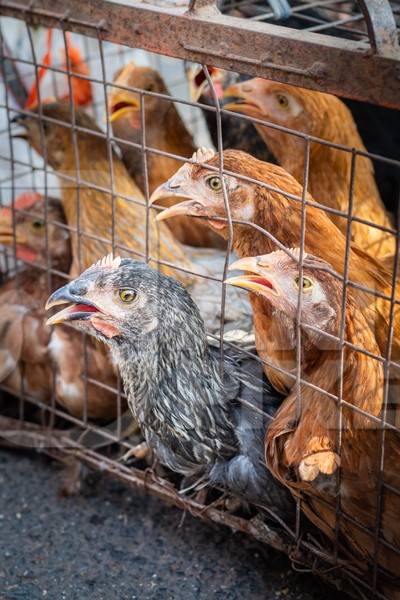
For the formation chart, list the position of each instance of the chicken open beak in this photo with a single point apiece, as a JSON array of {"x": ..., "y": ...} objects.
[
  {"x": 122, "y": 104},
  {"x": 258, "y": 283},
  {"x": 170, "y": 189},
  {"x": 198, "y": 82},
  {"x": 78, "y": 309},
  {"x": 242, "y": 98},
  {"x": 20, "y": 120}
]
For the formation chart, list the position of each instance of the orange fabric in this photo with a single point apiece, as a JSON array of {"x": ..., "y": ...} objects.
[
  {"x": 47, "y": 60},
  {"x": 81, "y": 89}
]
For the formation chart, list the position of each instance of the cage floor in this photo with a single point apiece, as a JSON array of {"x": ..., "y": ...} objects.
[{"x": 118, "y": 542}]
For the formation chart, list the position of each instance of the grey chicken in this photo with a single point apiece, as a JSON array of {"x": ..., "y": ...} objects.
[{"x": 208, "y": 428}]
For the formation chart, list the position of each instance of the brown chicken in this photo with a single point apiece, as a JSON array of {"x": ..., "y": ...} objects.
[
  {"x": 310, "y": 418},
  {"x": 275, "y": 277},
  {"x": 88, "y": 205},
  {"x": 263, "y": 215},
  {"x": 31, "y": 354},
  {"x": 165, "y": 131},
  {"x": 326, "y": 117},
  {"x": 24, "y": 336}
]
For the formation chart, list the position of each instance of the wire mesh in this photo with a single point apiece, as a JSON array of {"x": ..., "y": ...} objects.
[{"x": 103, "y": 445}]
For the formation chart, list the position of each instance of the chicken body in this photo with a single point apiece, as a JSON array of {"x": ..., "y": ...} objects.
[
  {"x": 275, "y": 279},
  {"x": 303, "y": 448},
  {"x": 35, "y": 360},
  {"x": 253, "y": 207},
  {"x": 89, "y": 208},
  {"x": 194, "y": 420},
  {"x": 24, "y": 336},
  {"x": 329, "y": 181},
  {"x": 165, "y": 131}
]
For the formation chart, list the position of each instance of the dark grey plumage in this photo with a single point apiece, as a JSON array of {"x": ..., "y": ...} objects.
[{"x": 198, "y": 424}]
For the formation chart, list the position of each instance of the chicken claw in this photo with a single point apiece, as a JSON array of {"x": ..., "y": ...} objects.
[
  {"x": 138, "y": 451},
  {"x": 325, "y": 462}
]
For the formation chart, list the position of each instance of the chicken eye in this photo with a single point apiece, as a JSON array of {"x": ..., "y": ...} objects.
[
  {"x": 307, "y": 283},
  {"x": 283, "y": 101},
  {"x": 127, "y": 296},
  {"x": 214, "y": 183},
  {"x": 38, "y": 226}
]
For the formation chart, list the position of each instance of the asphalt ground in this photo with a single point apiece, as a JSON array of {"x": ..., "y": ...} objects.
[{"x": 113, "y": 542}]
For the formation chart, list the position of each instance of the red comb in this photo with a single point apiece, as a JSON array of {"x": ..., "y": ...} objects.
[
  {"x": 26, "y": 200},
  {"x": 23, "y": 202}
]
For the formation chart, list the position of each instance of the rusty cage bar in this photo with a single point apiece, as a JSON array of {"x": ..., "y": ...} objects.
[{"x": 349, "y": 49}]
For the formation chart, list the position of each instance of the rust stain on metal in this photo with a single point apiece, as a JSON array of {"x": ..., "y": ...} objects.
[{"x": 349, "y": 70}]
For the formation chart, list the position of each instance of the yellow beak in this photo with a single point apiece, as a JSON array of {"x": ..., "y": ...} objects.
[
  {"x": 6, "y": 229},
  {"x": 122, "y": 104},
  {"x": 258, "y": 282},
  {"x": 243, "y": 104}
]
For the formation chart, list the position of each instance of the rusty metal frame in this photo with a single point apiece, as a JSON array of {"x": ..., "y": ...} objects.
[
  {"x": 89, "y": 22},
  {"x": 347, "y": 68},
  {"x": 381, "y": 26}
]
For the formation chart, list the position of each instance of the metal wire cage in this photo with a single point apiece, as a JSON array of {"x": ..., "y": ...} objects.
[{"x": 346, "y": 48}]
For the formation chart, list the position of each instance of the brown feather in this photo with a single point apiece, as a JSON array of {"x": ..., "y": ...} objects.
[
  {"x": 310, "y": 415},
  {"x": 30, "y": 352},
  {"x": 165, "y": 131},
  {"x": 281, "y": 216},
  {"x": 98, "y": 210},
  {"x": 324, "y": 116}
]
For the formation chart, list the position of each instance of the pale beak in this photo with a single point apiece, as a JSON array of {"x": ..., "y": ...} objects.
[
  {"x": 196, "y": 91},
  {"x": 259, "y": 282},
  {"x": 20, "y": 136},
  {"x": 193, "y": 207},
  {"x": 170, "y": 188},
  {"x": 20, "y": 119},
  {"x": 190, "y": 208},
  {"x": 121, "y": 105},
  {"x": 250, "y": 263}
]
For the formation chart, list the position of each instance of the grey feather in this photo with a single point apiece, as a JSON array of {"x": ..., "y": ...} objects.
[{"x": 199, "y": 424}]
